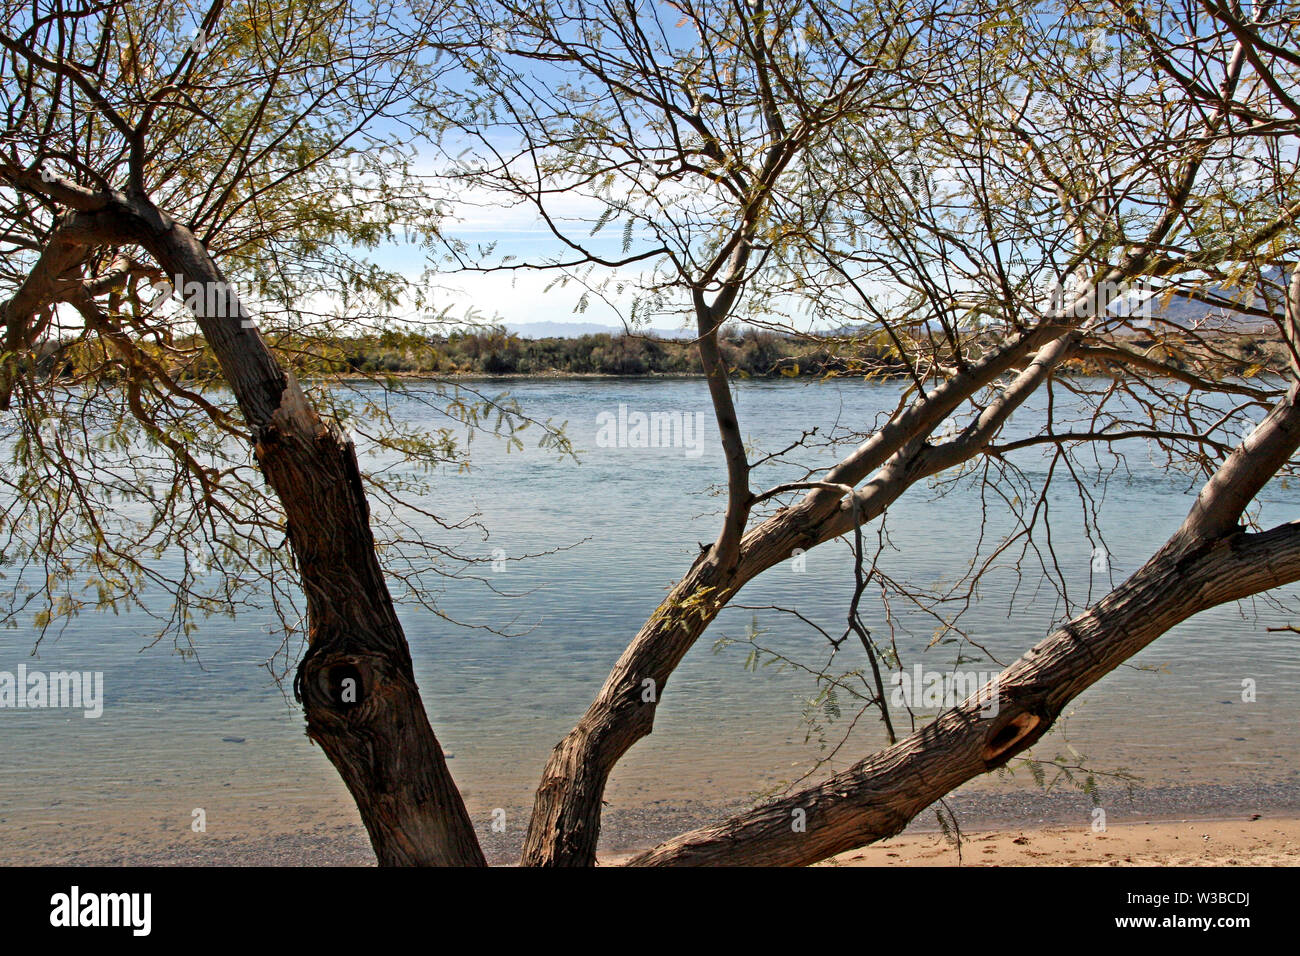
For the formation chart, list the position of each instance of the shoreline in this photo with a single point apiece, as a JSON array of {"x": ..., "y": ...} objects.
[
  {"x": 553, "y": 375},
  {"x": 1018, "y": 827},
  {"x": 1193, "y": 842},
  {"x": 1190, "y": 841}
]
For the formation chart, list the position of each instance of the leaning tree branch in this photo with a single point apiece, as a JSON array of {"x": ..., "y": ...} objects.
[{"x": 876, "y": 798}]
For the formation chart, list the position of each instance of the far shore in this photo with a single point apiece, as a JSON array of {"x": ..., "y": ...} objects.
[
  {"x": 560, "y": 375},
  {"x": 525, "y": 376}
]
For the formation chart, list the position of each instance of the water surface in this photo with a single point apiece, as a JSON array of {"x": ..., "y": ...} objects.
[{"x": 220, "y": 734}]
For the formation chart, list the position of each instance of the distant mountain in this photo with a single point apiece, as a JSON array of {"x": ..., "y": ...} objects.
[
  {"x": 1187, "y": 312},
  {"x": 571, "y": 330},
  {"x": 1180, "y": 310}
]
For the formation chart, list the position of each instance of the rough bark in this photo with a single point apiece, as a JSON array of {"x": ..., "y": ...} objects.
[
  {"x": 565, "y": 824},
  {"x": 1208, "y": 561},
  {"x": 356, "y": 681},
  {"x": 55, "y": 271},
  {"x": 877, "y": 797}
]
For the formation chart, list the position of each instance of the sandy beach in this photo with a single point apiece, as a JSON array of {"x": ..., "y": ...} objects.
[
  {"x": 1241, "y": 841},
  {"x": 1245, "y": 823},
  {"x": 1262, "y": 842}
]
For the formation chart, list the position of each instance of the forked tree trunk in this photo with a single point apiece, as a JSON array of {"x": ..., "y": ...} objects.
[{"x": 565, "y": 825}]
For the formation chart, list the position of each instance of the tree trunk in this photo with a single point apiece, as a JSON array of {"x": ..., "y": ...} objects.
[
  {"x": 565, "y": 824},
  {"x": 877, "y": 797},
  {"x": 356, "y": 682}
]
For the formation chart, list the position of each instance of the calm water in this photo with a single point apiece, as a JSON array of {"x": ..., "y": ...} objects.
[{"x": 630, "y": 520}]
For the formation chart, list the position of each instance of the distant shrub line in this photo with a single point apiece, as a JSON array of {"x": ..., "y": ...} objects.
[
  {"x": 749, "y": 353},
  {"x": 752, "y": 353}
]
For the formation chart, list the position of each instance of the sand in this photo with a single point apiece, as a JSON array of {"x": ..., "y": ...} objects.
[
  {"x": 1262, "y": 842},
  {"x": 1187, "y": 826}
]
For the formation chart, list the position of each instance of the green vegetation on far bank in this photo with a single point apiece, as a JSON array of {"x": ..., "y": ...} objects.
[
  {"x": 498, "y": 352},
  {"x": 749, "y": 353}
]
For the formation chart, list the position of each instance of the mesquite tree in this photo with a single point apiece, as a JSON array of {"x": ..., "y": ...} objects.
[
  {"x": 966, "y": 188},
  {"x": 152, "y": 149}
]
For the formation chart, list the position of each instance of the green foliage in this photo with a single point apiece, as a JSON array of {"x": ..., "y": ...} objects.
[{"x": 495, "y": 351}]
